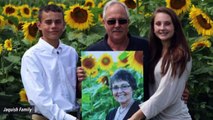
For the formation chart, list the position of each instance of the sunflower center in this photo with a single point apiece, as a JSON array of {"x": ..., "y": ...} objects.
[
  {"x": 26, "y": 11},
  {"x": 88, "y": 63},
  {"x": 124, "y": 60},
  {"x": 34, "y": 10},
  {"x": 10, "y": 10},
  {"x": 88, "y": 4},
  {"x": 138, "y": 57},
  {"x": 177, "y": 4},
  {"x": 20, "y": 26},
  {"x": 8, "y": 44},
  {"x": 203, "y": 22},
  {"x": 79, "y": 15},
  {"x": 130, "y": 4},
  {"x": 10, "y": 22},
  {"x": 33, "y": 29},
  {"x": 106, "y": 61},
  {"x": 201, "y": 44},
  {"x": 104, "y": 79}
]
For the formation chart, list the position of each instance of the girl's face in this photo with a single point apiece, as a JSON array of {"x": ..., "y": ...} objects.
[
  {"x": 122, "y": 92},
  {"x": 163, "y": 27}
]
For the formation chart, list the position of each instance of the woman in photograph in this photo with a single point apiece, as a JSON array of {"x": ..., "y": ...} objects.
[{"x": 123, "y": 84}]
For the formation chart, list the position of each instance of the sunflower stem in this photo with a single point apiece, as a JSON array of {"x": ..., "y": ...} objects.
[
  {"x": 2, "y": 64},
  {"x": 137, "y": 6}
]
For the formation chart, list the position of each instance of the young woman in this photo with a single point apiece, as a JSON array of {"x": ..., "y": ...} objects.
[{"x": 170, "y": 68}]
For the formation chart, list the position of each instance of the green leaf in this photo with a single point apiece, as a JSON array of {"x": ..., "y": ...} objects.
[
  {"x": 123, "y": 56},
  {"x": 13, "y": 59},
  {"x": 9, "y": 79}
]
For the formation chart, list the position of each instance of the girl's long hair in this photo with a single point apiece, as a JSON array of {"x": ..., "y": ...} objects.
[{"x": 178, "y": 53}]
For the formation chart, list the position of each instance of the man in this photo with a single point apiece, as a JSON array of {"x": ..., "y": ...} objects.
[
  {"x": 48, "y": 70},
  {"x": 118, "y": 38}
]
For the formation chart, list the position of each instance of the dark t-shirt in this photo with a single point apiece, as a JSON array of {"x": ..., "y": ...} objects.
[{"x": 135, "y": 44}]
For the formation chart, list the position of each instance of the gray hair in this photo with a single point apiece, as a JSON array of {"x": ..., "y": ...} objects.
[
  {"x": 123, "y": 75},
  {"x": 112, "y": 2}
]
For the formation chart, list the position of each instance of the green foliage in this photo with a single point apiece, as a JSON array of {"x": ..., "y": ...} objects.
[{"x": 201, "y": 84}]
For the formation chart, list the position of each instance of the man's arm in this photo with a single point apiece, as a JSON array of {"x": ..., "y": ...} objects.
[{"x": 185, "y": 95}]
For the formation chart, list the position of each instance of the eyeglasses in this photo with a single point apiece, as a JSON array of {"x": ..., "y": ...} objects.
[
  {"x": 120, "y": 21},
  {"x": 122, "y": 87}
]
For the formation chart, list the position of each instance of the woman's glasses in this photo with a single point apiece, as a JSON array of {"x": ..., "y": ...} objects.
[
  {"x": 120, "y": 21},
  {"x": 122, "y": 87}
]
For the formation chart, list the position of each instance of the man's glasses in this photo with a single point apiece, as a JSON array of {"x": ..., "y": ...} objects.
[
  {"x": 120, "y": 21},
  {"x": 122, "y": 87}
]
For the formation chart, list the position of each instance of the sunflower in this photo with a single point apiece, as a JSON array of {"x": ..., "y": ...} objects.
[
  {"x": 23, "y": 96},
  {"x": 20, "y": 25},
  {"x": 94, "y": 73},
  {"x": 89, "y": 64},
  {"x": 179, "y": 6},
  {"x": 61, "y": 5},
  {"x": 58, "y": 4},
  {"x": 25, "y": 11},
  {"x": 10, "y": 10},
  {"x": 79, "y": 17},
  {"x": 130, "y": 3},
  {"x": 100, "y": 17},
  {"x": 51, "y": 3},
  {"x": 12, "y": 25},
  {"x": 30, "y": 31},
  {"x": 136, "y": 60},
  {"x": 202, "y": 42},
  {"x": 105, "y": 61},
  {"x": 123, "y": 59},
  {"x": 101, "y": 5},
  {"x": 2, "y": 23},
  {"x": 35, "y": 12},
  {"x": 1, "y": 48},
  {"x": 89, "y": 3},
  {"x": 104, "y": 80},
  {"x": 148, "y": 15},
  {"x": 201, "y": 21},
  {"x": 8, "y": 45}
]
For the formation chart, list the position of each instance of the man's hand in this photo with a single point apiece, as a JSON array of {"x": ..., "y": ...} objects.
[
  {"x": 81, "y": 74},
  {"x": 185, "y": 95}
]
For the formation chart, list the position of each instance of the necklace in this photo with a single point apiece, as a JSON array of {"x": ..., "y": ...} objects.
[{"x": 122, "y": 111}]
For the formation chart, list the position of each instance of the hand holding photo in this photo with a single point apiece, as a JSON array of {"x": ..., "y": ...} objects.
[{"x": 114, "y": 82}]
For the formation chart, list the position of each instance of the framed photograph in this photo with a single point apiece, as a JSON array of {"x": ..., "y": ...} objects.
[{"x": 101, "y": 68}]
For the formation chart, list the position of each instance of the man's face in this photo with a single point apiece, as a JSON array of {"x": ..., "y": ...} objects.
[
  {"x": 51, "y": 25},
  {"x": 116, "y": 23}
]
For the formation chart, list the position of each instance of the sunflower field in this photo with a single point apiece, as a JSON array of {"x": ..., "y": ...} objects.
[{"x": 18, "y": 32}]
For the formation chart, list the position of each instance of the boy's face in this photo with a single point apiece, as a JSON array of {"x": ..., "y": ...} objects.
[{"x": 51, "y": 25}]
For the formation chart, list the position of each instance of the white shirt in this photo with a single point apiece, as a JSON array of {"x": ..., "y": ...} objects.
[
  {"x": 49, "y": 78},
  {"x": 166, "y": 100}
]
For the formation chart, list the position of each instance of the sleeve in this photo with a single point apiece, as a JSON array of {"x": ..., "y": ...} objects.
[
  {"x": 170, "y": 89},
  {"x": 37, "y": 93}
]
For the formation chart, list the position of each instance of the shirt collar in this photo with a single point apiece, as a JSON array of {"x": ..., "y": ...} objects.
[
  {"x": 49, "y": 48},
  {"x": 128, "y": 47}
]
